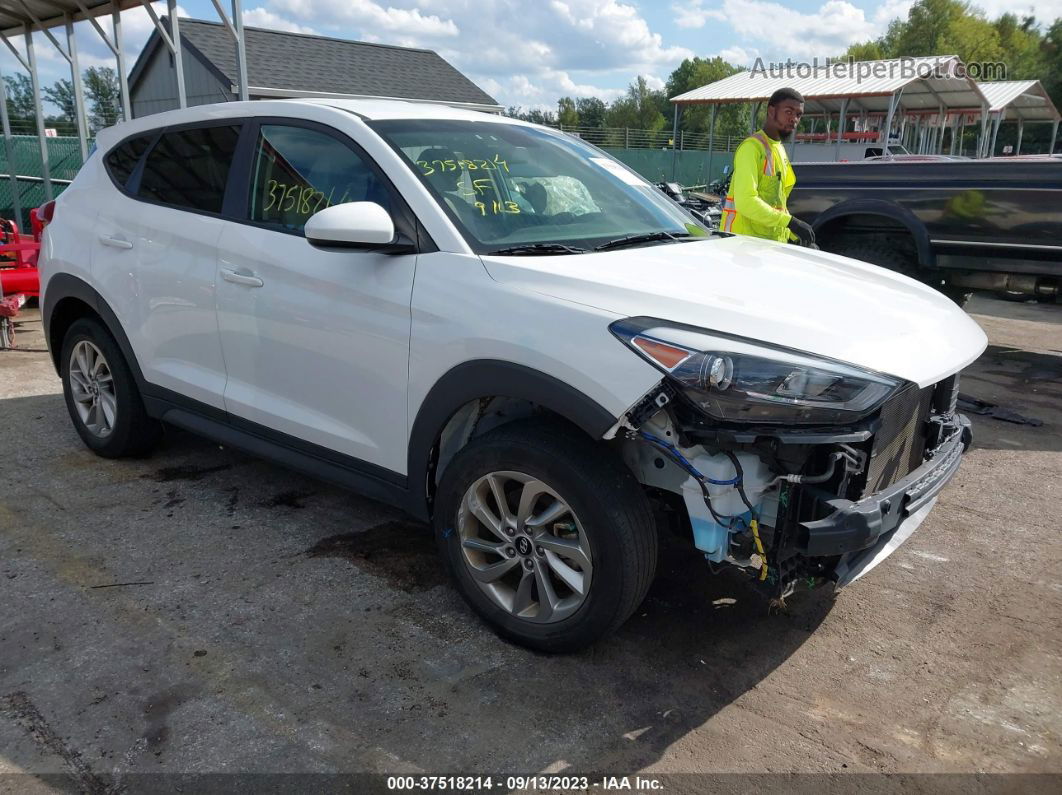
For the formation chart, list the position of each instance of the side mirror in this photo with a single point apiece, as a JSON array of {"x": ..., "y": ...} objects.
[{"x": 358, "y": 225}]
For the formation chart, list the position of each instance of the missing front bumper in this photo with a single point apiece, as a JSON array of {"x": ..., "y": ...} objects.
[{"x": 856, "y": 526}]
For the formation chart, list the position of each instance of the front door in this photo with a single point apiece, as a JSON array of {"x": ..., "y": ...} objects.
[{"x": 316, "y": 343}]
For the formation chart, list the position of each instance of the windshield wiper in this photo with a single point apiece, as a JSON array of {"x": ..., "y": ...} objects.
[
  {"x": 634, "y": 240},
  {"x": 538, "y": 248}
]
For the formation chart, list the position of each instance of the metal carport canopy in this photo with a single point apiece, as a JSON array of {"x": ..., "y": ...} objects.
[
  {"x": 1019, "y": 99},
  {"x": 869, "y": 84},
  {"x": 52, "y": 13},
  {"x": 23, "y": 17}
]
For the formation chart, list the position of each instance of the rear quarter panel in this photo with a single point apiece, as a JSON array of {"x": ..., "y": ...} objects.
[{"x": 66, "y": 245}]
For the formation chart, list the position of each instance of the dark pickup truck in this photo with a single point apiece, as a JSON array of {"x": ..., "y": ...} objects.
[{"x": 959, "y": 225}]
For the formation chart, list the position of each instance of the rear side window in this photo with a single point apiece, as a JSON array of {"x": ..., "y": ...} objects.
[
  {"x": 298, "y": 171},
  {"x": 189, "y": 168},
  {"x": 123, "y": 159}
]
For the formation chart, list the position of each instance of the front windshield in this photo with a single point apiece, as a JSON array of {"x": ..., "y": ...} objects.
[{"x": 509, "y": 185}]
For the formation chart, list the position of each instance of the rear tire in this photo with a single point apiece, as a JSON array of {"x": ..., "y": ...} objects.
[
  {"x": 557, "y": 586},
  {"x": 101, "y": 394}
]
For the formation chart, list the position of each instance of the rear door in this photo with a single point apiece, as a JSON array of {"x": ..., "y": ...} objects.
[
  {"x": 156, "y": 257},
  {"x": 316, "y": 342}
]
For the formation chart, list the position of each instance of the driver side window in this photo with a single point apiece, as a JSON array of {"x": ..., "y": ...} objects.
[{"x": 298, "y": 171}]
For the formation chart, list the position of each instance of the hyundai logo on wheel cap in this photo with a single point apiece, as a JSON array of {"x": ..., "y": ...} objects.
[{"x": 523, "y": 545}]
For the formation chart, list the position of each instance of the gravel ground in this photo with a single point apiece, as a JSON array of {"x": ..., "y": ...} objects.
[{"x": 201, "y": 611}]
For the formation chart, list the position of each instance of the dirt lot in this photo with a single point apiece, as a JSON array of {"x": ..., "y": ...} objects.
[{"x": 202, "y": 611}]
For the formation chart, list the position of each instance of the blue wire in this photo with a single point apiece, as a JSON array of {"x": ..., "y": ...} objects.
[{"x": 686, "y": 464}]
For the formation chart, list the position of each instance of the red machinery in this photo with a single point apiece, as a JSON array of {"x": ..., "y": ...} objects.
[
  {"x": 18, "y": 253},
  {"x": 19, "y": 278}
]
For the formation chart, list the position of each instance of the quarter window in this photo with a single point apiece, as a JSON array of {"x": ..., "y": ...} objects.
[
  {"x": 122, "y": 160},
  {"x": 298, "y": 171},
  {"x": 188, "y": 168}
]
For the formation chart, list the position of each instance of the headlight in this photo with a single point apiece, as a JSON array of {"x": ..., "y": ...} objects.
[{"x": 739, "y": 380}]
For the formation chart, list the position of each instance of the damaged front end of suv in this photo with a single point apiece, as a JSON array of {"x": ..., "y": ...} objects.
[{"x": 796, "y": 468}]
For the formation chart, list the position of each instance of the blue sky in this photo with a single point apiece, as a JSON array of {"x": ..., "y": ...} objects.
[{"x": 530, "y": 53}]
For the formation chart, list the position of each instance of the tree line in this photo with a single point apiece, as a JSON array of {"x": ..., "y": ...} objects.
[
  {"x": 1029, "y": 49},
  {"x": 102, "y": 101}
]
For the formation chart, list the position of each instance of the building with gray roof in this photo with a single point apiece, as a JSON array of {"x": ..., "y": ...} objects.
[{"x": 283, "y": 65}]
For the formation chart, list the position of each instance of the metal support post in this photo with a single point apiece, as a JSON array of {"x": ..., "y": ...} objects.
[
  {"x": 711, "y": 140},
  {"x": 178, "y": 61},
  {"x": 119, "y": 52},
  {"x": 35, "y": 82},
  {"x": 840, "y": 128},
  {"x": 982, "y": 139},
  {"x": 995, "y": 132},
  {"x": 79, "y": 91},
  {"x": 9, "y": 151},
  {"x": 1054, "y": 135},
  {"x": 241, "y": 48},
  {"x": 674, "y": 144},
  {"x": 753, "y": 116},
  {"x": 894, "y": 100},
  {"x": 1021, "y": 129}
]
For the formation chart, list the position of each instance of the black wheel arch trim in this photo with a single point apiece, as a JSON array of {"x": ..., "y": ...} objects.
[
  {"x": 490, "y": 378},
  {"x": 885, "y": 209},
  {"x": 65, "y": 285}
]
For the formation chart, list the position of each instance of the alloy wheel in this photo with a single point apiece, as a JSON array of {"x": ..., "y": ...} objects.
[
  {"x": 92, "y": 387},
  {"x": 524, "y": 547}
]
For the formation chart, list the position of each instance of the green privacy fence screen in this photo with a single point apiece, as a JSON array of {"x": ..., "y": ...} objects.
[
  {"x": 690, "y": 166},
  {"x": 64, "y": 158}
]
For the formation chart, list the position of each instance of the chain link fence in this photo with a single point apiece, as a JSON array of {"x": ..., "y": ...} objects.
[
  {"x": 629, "y": 138},
  {"x": 64, "y": 160}
]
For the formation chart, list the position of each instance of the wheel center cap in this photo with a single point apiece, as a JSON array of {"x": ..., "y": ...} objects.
[{"x": 523, "y": 545}]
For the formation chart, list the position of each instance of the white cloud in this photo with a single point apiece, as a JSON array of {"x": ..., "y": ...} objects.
[
  {"x": 264, "y": 18},
  {"x": 739, "y": 56},
  {"x": 693, "y": 14},
  {"x": 783, "y": 32},
  {"x": 1044, "y": 10},
  {"x": 521, "y": 53},
  {"x": 371, "y": 15}
]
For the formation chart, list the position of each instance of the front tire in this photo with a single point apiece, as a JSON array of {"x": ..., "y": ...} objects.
[
  {"x": 101, "y": 394},
  {"x": 547, "y": 536}
]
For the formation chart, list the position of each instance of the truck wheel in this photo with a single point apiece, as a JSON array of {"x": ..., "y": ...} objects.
[
  {"x": 548, "y": 538},
  {"x": 101, "y": 394},
  {"x": 896, "y": 258},
  {"x": 878, "y": 252}
]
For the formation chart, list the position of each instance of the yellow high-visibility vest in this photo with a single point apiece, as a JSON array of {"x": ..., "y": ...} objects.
[{"x": 763, "y": 179}]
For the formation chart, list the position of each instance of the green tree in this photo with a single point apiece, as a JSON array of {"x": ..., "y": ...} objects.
[
  {"x": 591, "y": 111},
  {"x": 867, "y": 51},
  {"x": 696, "y": 72},
  {"x": 20, "y": 105},
  {"x": 62, "y": 96},
  {"x": 101, "y": 89},
  {"x": 638, "y": 109},
  {"x": 567, "y": 115}
]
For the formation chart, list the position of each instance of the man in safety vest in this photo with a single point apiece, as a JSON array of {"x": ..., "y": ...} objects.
[{"x": 763, "y": 177}]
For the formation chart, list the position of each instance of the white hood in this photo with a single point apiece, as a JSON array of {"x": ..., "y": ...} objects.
[{"x": 772, "y": 292}]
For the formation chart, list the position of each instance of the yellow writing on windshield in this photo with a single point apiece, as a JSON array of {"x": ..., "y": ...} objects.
[
  {"x": 429, "y": 167},
  {"x": 300, "y": 199},
  {"x": 497, "y": 208}
]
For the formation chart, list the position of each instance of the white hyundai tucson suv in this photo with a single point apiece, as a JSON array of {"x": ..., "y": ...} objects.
[{"x": 505, "y": 332}]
